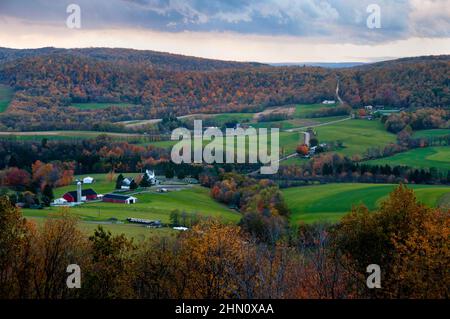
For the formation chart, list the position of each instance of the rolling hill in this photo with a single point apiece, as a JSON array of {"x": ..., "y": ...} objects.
[
  {"x": 154, "y": 59},
  {"x": 332, "y": 201},
  {"x": 49, "y": 81}
]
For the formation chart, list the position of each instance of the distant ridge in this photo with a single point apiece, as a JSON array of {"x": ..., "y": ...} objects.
[
  {"x": 154, "y": 59},
  {"x": 330, "y": 65}
]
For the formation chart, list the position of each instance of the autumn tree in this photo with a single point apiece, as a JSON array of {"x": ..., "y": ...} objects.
[
  {"x": 109, "y": 272},
  {"x": 59, "y": 244},
  {"x": 14, "y": 233},
  {"x": 407, "y": 239},
  {"x": 302, "y": 150}
]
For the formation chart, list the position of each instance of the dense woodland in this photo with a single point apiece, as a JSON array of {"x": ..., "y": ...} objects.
[
  {"x": 48, "y": 81},
  {"x": 408, "y": 240}
]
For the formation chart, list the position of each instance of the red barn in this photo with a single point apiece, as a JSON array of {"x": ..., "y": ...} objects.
[
  {"x": 122, "y": 199},
  {"x": 86, "y": 195}
]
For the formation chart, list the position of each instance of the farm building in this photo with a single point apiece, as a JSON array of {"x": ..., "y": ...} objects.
[
  {"x": 122, "y": 199},
  {"x": 151, "y": 177},
  {"x": 60, "y": 201},
  {"x": 88, "y": 180},
  {"x": 86, "y": 195},
  {"x": 126, "y": 183}
]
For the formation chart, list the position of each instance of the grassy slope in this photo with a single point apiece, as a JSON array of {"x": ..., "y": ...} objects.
[
  {"x": 137, "y": 232},
  {"x": 357, "y": 135},
  {"x": 149, "y": 206},
  {"x": 431, "y": 133},
  {"x": 304, "y": 110},
  {"x": 438, "y": 157},
  {"x": 332, "y": 201},
  {"x": 6, "y": 94}
]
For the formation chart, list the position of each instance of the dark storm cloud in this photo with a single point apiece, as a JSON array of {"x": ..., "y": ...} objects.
[{"x": 339, "y": 19}]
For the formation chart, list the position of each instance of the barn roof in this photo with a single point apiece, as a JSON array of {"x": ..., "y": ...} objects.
[
  {"x": 117, "y": 196},
  {"x": 84, "y": 192}
]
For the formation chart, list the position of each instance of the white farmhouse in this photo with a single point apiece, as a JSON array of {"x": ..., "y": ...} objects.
[
  {"x": 88, "y": 180},
  {"x": 151, "y": 177}
]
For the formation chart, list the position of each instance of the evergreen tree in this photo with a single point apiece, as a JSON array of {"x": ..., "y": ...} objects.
[
  {"x": 133, "y": 185},
  {"x": 169, "y": 173},
  {"x": 145, "y": 181},
  {"x": 174, "y": 218},
  {"x": 47, "y": 195},
  {"x": 119, "y": 181}
]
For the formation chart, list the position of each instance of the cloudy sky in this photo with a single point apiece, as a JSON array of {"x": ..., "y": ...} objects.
[{"x": 244, "y": 30}]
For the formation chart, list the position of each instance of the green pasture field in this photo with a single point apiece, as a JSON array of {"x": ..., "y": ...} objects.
[
  {"x": 305, "y": 110},
  {"x": 431, "y": 133},
  {"x": 437, "y": 157},
  {"x": 137, "y": 232},
  {"x": 154, "y": 206},
  {"x": 332, "y": 201},
  {"x": 6, "y": 95},
  {"x": 357, "y": 135}
]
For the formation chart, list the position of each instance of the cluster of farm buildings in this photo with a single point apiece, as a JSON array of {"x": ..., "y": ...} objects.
[{"x": 81, "y": 195}]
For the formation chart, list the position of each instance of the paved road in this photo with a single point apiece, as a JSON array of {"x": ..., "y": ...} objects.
[
  {"x": 296, "y": 129},
  {"x": 337, "y": 93}
]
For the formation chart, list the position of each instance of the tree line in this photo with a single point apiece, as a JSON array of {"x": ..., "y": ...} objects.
[{"x": 213, "y": 260}]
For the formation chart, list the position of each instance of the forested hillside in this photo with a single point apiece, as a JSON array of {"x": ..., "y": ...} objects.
[
  {"x": 161, "y": 60},
  {"x": 47, "y": 82},
  {"x": 408, "y": 83}
]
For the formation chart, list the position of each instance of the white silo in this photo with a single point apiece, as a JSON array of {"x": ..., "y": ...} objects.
[{"x": 79, "y": 192}]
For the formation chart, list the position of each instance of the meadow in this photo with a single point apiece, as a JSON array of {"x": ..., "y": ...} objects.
[
  {"x": 431, "y": 133},
  {"x": 154, "y": 206},
  {"x": 150, "y": 205},
  {"x": 305, "y": 110},
  {"x": 357, "y": 135},
  {"x": 137, "y": 232},
  {"x": 332, "y": 201},
  {"x": 437, "y": 157},
  {"x": 6, "y": 94}
]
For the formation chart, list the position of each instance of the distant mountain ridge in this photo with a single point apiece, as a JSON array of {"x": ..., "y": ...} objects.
[
  {"x": 159, "y": 60},
  {"x": 331, "y": 65}
]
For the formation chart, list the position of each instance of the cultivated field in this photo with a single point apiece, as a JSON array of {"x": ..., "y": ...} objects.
[
  {"x": 305, "y": 110},
  {"x": 331, "y": 201},
  {"x": 437, "y": 157},
  {"x": 357, "y": 135}
]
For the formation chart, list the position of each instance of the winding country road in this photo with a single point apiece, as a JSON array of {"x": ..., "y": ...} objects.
[
  {"x": 308, "y": 135},
  {"x": 337, "y": 93}
]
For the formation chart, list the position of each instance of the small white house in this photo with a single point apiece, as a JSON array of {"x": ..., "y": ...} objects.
[
  {"x": 88, "y": 180},
  {"x": 126, "y": 183}
]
